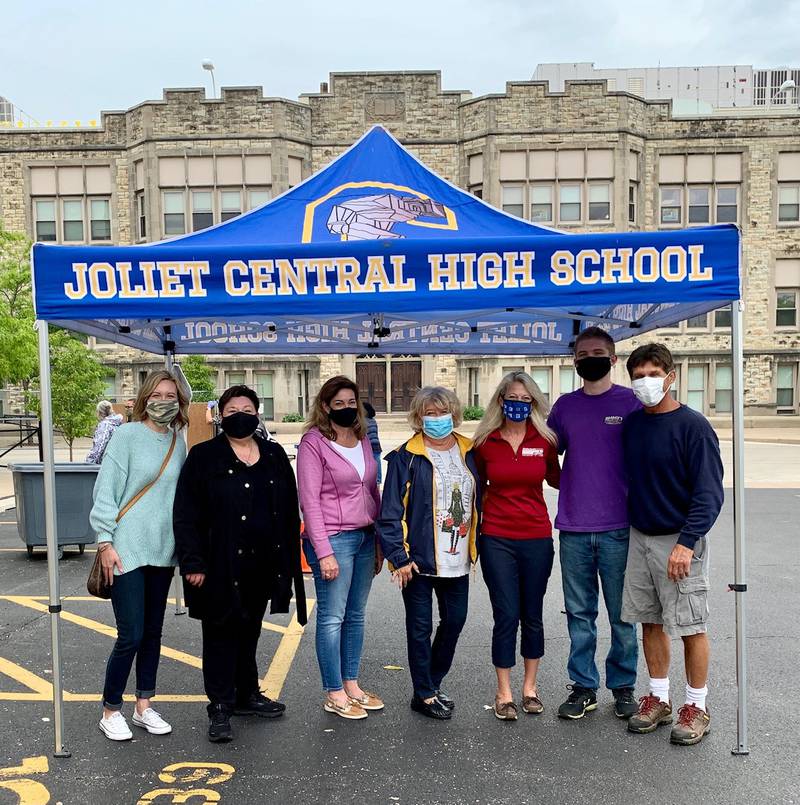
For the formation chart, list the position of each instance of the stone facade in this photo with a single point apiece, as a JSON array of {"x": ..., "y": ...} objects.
[{"x": 468, "y": 141}]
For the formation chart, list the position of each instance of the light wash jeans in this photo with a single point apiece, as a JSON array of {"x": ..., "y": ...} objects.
[{"x": 341, "y": 605}]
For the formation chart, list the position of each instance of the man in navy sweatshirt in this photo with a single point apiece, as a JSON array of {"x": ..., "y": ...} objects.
[{"x": 674, "y": 473}]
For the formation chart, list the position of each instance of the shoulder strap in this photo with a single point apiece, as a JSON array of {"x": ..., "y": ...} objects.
[{"x": 147, "y": 487}]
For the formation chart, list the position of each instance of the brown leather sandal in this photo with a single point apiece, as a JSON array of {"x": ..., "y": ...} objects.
[
  {"x": 532, "y": 705},
  {"x": 505, "y": 711}
]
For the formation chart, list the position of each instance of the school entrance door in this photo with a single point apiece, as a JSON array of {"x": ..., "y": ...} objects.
[
  {"x": 371, "y": 379},
  {"x": 406, "y": 382}
]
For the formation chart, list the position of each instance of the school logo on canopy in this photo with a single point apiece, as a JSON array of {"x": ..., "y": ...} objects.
[{"x": 348, "y": 213}]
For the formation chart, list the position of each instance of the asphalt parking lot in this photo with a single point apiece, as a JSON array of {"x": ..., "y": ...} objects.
[{"x": 397, "y": 756}]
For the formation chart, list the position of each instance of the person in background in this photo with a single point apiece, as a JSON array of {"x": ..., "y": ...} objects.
[
  {"x": 337, "y": 480},
  {"x": 674, "y": 471},
  {"x": 109, "y": 422},
  {"x": 374, "y": 439},
  {"x": 129, "y": 410},
  {"x": 137, "y": 545},
  {"x": 237, "y": 531},
  {"x": 593, "y": 525},
  {"x": 428, "y": 528},
  {"x": 515, "y": 451}
]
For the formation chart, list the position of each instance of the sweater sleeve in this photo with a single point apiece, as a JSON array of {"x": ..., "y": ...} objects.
[
  {"x": 705, "y": 472},
  {"x": 109, "y": 489},
  {"x": 309, "y": 484},
  {"x": 392, "y": 524},
  {"x": 189, "y": 520}
]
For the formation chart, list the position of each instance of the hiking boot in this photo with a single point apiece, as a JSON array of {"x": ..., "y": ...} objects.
[
  {"x": 219, "y": 724},
  {"x": 257, "y": 704},
  {"x": 652, "y": 713},
  {"x": 580, "y": 702},
  {"x": 625, "y": 705},
  {"x": 693, "y": 724}
]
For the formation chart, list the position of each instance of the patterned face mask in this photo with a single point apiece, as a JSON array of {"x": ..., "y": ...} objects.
[
  {"x": 516, "y": 410},
  {"x": 162, "y": 412}
]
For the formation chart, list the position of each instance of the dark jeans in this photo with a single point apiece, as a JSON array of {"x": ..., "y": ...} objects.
[
  {"x": 230, "y": 672},
  {"x": 585, "y": 558},
  {"x": 516, "y": 572},
  {"x": 139, "y": 598},
  {"x": 428, "y": 663}
]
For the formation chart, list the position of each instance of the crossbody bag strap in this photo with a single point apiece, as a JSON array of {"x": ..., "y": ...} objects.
[{"x": 138, "y": 496}]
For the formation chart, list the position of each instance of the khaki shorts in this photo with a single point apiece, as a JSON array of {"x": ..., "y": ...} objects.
[{"x": 649, "y": 596}]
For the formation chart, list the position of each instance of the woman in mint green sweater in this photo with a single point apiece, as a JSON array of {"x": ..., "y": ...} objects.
[{"x": 137, "y": 550}]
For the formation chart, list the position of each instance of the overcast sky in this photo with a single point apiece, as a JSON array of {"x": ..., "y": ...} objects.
[{"x": 62, "y": 60}]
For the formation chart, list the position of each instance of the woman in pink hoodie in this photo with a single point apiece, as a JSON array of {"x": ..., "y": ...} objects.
[{"x": 337, "y": 483}]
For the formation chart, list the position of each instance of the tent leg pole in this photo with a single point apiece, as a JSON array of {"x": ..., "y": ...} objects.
[
  {"x": 739, "y": 587},
  {"x": 51, "y": 533},
  {"x": 169, "y": 362}
]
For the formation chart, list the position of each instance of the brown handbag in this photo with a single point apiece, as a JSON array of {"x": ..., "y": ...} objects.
[{"x": 96, "y": 584}]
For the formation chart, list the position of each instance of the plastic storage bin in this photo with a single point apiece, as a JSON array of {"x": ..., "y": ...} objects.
[{"x": 74, "y": 486}]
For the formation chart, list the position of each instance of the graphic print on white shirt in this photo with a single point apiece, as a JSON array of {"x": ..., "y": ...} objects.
[{"x": 455, "y": 489}]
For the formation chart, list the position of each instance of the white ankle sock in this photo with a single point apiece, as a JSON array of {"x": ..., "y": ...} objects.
[
  {"x": 660, "y": 688},
  {"x": 696, "y": 696}
]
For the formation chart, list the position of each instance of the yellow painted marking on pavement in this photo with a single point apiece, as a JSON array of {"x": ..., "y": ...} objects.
[
  {"x": 30, "y": 765},
  {"x": 40, "y": 687},
  {"x": 100, "y": 628},
  {"x": 27, "y": 791},
  {"x": 274, "y": 627},
  {"x": 198, "y": 773},
  {"x": 272, "y": 684}
]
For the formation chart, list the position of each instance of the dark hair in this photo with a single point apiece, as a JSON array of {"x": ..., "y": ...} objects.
[
  {"x": 657, "y": 354},
  {"x": 369, "y": 410},
  {"x": 237, "y": 391},
  {"x": 318, "y": 416},
  {"x": 595, "y": 332}
]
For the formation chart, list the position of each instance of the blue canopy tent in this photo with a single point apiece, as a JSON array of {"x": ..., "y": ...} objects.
[{"x": 377, "y": 254}]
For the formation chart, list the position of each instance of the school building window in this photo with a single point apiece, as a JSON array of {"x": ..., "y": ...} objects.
[
  {"x": 698, "y": 189},
  {"x": 71, "y": 204},
  {"x": 723, "y": 389},
  {"x": 786, "y": 388},
  {"x": 789, "y": 188},
  {"x": 569, "y": 186},
  {"x": 263, "y": 382},
  {"x": 787, "y": 293}
]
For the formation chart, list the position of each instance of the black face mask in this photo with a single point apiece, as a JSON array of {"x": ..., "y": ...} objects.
[
  {"x": 343, "y": 417},
  {"x": 239, "y": 425},
  {"x": 593, "y": 368}
]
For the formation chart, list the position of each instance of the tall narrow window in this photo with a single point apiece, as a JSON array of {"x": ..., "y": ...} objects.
[
  {"x": 100, "y": 218},
  {"x": 633, "y": 192},
  {"x": 72, "y": 210},
  {"x": 599, "y": 202},
  {"x": 696, "y": 388},
  {"x": 566, "y": 379},
  {"x": 699, "y": 205},
  {"x": 141, "y": 215},
  {"x": 784, "y": 387},
  {"x": 671, "y": 203},
  {"x": 45, "y": 220},
  {"x": 786, "y": 309},
  {"x": 513, "y": 195},
  {"x": 789, "y": 204},
  {"x": 723, "y": 394},
  {"x": 264, "y": 389},
  {"x": 258, "y": 197},
  {"x": 727, "y": 205},
  {"x": 542, "y": 203},
  {"x": 474, "y": 393},
  {"x": 174, "y": 213},
  {"x": 541, "y": 374},
  {"x": 202, "y": 210},
  {"x": 230, "y": 204},
  {"x": 569, "y": 207}
]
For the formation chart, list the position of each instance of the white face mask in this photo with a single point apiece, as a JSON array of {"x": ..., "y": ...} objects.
[{"x": 650, "y": 390}]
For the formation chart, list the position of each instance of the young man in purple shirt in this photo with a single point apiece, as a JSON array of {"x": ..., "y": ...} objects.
[{"x": 593, "y": 524}]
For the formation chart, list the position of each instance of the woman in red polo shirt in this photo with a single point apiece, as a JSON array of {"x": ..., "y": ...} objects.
[{"x": 516, "y": 452}]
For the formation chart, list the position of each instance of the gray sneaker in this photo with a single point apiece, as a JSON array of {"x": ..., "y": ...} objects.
[
  {"x": 693, "y": 724},
  {"x": 652, "y": 714}
]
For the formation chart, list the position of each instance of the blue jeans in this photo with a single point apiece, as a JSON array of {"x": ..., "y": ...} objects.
[
  {"x": 429, "y": 663},
  {"x": 139, "y": 598},
  {"x": 585, "y": 557},
  {"x": 342, "y": 604}
]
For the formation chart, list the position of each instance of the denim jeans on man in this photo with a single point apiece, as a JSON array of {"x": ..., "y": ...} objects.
[
  {"x": 341, "y": 605},
  {"x": 516, "y": 572},
  {"x": 139, "y": 599},
  {"x": 429, "y": 663},
  {"x": 585, "y": 556}
]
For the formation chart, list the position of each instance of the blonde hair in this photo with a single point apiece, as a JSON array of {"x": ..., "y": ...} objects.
[
  {"x": 493, "y": 417},
  {"x": 149, "y": 386},
  {"x": 318, "y": 416},
  {"x": 438, "y": 396}
]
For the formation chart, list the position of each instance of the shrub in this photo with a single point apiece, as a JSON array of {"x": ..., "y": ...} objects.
[
  {"x": 295, "y": 417},
  {"x": 473, "y": 412}
]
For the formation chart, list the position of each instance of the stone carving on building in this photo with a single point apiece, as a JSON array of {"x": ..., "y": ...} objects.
[{"x": 384, "y": 106}]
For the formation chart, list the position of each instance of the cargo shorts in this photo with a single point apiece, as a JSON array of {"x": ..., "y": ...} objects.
[{"x": 650, "y": 596}]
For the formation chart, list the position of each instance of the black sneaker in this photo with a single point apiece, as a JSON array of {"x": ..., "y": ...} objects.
[
  {"x": 433, "y": 709},
  {"x": 219, "y": 724},
  {"x": 625, "y": 705},
  {"x": 259, "y": 705},
  {"x": 580, "y": 702},
  {"x": 445, "y": 700}
]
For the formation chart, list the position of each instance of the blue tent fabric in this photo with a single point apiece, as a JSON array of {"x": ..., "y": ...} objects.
[{"x": 376, "y": 253}]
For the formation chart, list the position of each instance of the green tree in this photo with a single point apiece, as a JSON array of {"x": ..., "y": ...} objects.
[
  {"x": 76, "y": 386},
  {"x": 18, "y": 345},
  {"x": 200, "y": 377}
]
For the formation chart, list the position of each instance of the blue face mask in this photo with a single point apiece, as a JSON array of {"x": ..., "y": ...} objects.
[
  {"x": 516, "y": 410},
  {"x": 437, "y": 427}
]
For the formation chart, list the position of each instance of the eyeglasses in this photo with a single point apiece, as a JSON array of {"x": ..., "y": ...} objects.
[{"x": 515, "y": 398}]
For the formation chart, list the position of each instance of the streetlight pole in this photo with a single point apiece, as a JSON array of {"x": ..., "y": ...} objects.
[{"x": 209, "y": 65}]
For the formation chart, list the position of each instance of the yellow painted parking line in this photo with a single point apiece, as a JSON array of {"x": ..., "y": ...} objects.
[
  {"x": 272, "y": 684},
  {"x": 100, "y": 628},
  {"x": 41, "y": 689}
]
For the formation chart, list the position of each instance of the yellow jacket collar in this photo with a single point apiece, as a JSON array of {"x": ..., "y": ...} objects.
[{"x": 416, "y": 444}]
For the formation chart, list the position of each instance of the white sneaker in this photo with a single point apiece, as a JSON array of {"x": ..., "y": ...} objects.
[
  {"x": 115, "y": 727},
  {"x": 151, "y": 721}
]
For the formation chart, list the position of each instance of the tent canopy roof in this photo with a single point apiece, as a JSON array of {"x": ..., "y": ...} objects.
[{"x": 377, "y": 253}]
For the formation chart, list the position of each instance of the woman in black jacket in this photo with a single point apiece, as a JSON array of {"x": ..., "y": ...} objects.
[{"x": 237, "y": 533}]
